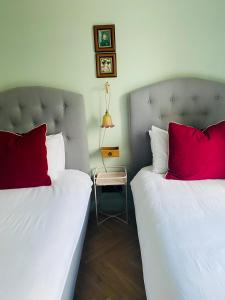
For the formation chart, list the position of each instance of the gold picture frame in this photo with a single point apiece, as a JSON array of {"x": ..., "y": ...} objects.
[
  {"x": 104, "y": 37},
  {"x": 106, "y": 65}
]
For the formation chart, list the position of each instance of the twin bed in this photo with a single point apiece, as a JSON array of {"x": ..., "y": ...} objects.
[
  {"x": 181, "y": 224},
  {"x": 42, "y": 229}
]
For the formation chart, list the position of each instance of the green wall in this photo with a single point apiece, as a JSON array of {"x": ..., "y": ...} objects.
[{"x": 50, "y": 42}]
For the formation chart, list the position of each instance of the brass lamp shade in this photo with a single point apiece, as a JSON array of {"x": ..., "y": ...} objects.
[{"x": 107, "y": 121}]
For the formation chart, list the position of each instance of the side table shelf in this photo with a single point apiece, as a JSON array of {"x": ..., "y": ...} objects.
[{"x": 112, "y": 176}]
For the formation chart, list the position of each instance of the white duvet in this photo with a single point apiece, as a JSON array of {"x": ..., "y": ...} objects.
[
  {"x": 39, "y": 230},
  {"x": 181, "y": 228}
]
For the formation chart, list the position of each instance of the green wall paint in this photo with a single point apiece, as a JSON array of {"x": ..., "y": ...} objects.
[{"x": 51, "y": 43}]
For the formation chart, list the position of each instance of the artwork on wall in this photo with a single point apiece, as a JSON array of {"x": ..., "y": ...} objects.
[
  {"x": 106, "y": 65},
  {"x": 104, "y": 37},
  {"x": 105, "y": 47}
]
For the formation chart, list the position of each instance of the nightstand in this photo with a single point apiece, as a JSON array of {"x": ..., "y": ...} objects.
[{"x": 114, "y": 177}]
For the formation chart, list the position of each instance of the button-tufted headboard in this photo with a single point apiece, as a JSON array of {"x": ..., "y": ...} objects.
[
  {"x": 189, "y": 101},
  {"x": 26, "y": 107}
]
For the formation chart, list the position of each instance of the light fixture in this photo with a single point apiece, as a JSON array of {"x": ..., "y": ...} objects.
[{"x": 107, "y": 119}]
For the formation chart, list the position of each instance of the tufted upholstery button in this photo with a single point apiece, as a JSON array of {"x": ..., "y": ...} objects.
[
  {"x": 14, "y": 123},
  {"x": 21, "y": 106},
  {"x": 205, "y": 113},
  {"x": 195, "y": 98},
  {"x": 43, "y": 106},
  {"x": 68, "y": 138},
  {"x": 217, "y": 97},
  {"x": 150, "y": 101},
  {"x": 172, "y": 99},
  {"x": 65, "y": 105},
  {"x": 57, "y": 121}
]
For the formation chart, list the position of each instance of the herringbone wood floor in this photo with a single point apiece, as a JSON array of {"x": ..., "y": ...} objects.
[{"x": 111, "y": 263}]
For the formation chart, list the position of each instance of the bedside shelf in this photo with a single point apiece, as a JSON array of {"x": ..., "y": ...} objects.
[{"x": 111, "y": 176}]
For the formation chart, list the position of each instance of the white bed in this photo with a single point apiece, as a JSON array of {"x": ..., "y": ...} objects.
[
  {"x": 181, "y": 225},
  {"x": 181, "y": 228},
  {"x": 42, "y": 229},
  {"x": 39, "y": 232}
]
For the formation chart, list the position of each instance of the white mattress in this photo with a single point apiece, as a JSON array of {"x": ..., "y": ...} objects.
[
  {"x": 39, "y": 230},
  {"x": 181, "y": 228}
]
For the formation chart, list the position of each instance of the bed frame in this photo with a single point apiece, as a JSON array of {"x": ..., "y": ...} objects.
[
  {"x": 190, "y": 101},
  {"x": 23, "y": 108}
]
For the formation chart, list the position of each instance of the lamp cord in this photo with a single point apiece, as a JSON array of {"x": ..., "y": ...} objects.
[
  {"x": 103, "y": 162},
  {"x": 103, "y": 138},
  {"x": 101, "y": 144},
  {"x": 108, "y": 100},
  {"x": 107, "y": 95},
  {"x": 107, "y": 105}
]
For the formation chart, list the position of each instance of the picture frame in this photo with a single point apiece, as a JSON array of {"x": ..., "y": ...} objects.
[
  {"x": 104, "y": 38},
  {"x": 106, "y": 65}
]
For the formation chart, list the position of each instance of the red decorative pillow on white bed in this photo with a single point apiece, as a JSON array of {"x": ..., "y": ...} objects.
[
  {"x": 23, "y": 159},
  {"x": 195, "y": 154}
]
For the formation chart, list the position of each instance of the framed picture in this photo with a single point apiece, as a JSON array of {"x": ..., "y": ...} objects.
[
  {"x": 106, "y": 65},
  {"x": 104, "y": 37}
]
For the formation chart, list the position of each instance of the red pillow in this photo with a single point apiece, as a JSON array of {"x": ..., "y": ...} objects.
[
  {"x": 23, "y": 159},
  {"x": 196, "y": 154}
]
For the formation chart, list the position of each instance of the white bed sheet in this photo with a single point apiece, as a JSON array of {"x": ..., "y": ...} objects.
[
  {"x": 39, "y": 230},
  {"x": 181, "y": 228}
]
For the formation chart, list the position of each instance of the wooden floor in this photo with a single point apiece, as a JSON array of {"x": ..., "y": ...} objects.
[{"x": 111, "y": 264}]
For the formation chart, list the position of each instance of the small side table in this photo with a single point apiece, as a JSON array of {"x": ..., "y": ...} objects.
[{"x": 112, "y": 176}]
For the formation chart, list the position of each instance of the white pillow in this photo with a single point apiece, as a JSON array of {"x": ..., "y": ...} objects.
[
  {"x": 160, "y": 149},
  {"x": 55, "y": 154}
]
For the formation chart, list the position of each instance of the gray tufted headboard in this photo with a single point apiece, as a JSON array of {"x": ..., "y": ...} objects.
[
  {"x": 189, "y": 101},
  {"x": 24, "y": 108}
]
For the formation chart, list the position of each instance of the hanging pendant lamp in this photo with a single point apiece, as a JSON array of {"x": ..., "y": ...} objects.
[{"x": 107, "y": 119}]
